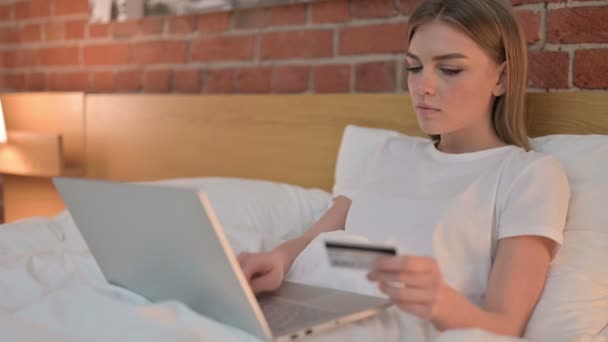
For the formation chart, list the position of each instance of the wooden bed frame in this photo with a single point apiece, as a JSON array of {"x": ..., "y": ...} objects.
[{"x": 293, "y": 138}]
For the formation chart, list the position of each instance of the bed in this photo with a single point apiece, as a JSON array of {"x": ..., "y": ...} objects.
[{"x": 284, "y": 147}]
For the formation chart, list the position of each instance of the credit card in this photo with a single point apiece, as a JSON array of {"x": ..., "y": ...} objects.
[{"x": 355, "y": 254}]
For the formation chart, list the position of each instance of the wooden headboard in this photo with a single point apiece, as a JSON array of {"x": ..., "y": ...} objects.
[
  {"x": 285, "y": 138},
  {"x": 292, "y": 139}
]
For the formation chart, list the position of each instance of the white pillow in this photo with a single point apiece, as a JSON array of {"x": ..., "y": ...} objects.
[
  {"x": 258, "y": 214},
  {"x": 358, "y": 144},
  {"x": 574, "y": 302}
]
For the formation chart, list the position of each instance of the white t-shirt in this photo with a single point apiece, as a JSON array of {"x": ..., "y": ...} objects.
[{"x": 455, "y": 207}]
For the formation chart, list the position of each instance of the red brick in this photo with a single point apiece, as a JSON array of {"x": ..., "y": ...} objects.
[
  {"x": 9, "y": 59},
  {"x": 106, "y": 54},
  {"x": 409, "y": 6},
  {"x": 291, "y": 79},
  {"x": 152, "y": 25},
  {"x": 63, "y": 7},
  {"x": 219, "y": 81},
  {"x": 36, "y": 81},
  {"x": 215, "y": 22},
  {"x": 129, "y": 80},
  {"x": 187, "y": 81},
  {"x": 183, "y": 24},
  {"x": 9, "y": 35},
  {"x": 54, "y": 31},
  {"x": 32, "y": 9},
  {"x": 548, "y": 69},
  {"x": 6, "y": 12},
  {"x": 28, "y": 58},
  {"x": 23, "y": 58},
  {"x": 375, "y": 76},
  {"x": 297, "y": 44},
  {"x": 254, "y": 80},
  {"x": 22, "y": 9},
  {"x": 99, "y": 30},
  {"x": 16, "y": 81},
  {"x": 103, "y": 81},
  {"x": 530, "y": 22},
  {"x": 288, "y": 15},
  {"x": 591, "y": 69},
  {"x": 68, "y": 81},
  {"x": 75, "y": 29},
  {"x": 373, "y": 8},
  {"x": 331, "y": 78},
  {"x": 252, "y": 18},
  {"x": 330, "y": 11},
  {"x": 157, "y": 81},
  {"x": 223, "y": 48},
  {"x": 168, "y": 51},
  {"x": 578, "y": 25},
  {"x": 382, "y": 38},
  {"x": 30, "y": 33},
  {"x": 59, "y": 56},
  {"x": 125, "y": 29}
]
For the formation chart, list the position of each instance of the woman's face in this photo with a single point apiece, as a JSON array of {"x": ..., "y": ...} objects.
[{"x": 451, "y": 80}]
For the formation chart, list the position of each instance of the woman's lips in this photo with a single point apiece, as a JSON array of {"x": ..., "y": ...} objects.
[{"x": 426, "y": 111}]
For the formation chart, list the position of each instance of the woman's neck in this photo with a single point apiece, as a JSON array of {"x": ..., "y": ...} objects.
[{"x": 469, "y": 140}]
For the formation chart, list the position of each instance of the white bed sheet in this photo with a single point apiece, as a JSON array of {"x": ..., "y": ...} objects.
[{"x": 52, "y": 290}]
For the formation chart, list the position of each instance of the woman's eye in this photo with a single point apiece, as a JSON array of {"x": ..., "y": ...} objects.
[
  {"x": 414, "y": 69},
  {"x": 450, "y": 72}
]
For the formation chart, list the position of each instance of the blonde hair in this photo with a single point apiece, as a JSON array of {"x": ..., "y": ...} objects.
[{"x": 492, "y": 25}]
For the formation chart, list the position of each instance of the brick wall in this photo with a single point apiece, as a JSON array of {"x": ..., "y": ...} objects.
[{"x": 328, "y": 46}]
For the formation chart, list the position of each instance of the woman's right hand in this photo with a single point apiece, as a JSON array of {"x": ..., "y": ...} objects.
[{"x": 264, "y": 271}]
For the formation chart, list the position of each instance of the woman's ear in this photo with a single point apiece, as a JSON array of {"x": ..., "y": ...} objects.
[{"x": 501, "y": 86}]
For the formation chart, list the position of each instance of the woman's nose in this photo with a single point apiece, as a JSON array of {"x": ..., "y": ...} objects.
[{"x": 423, "y": 83}]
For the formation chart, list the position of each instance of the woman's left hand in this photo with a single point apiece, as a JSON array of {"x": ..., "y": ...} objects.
[{"x": 413, "y": 283}]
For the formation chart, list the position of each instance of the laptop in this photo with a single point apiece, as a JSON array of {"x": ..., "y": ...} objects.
[{"x": 167, "y": 243}]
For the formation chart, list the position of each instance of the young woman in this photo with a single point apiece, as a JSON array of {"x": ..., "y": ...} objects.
[{"x": 477, "y": 214}]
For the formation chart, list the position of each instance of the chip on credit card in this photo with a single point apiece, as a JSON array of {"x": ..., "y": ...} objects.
[{"x": 356, "y": 254}]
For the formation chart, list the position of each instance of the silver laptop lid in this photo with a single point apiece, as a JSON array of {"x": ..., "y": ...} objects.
[{"x": 163, "y": 243}]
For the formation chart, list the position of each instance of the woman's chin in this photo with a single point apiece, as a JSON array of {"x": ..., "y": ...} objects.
[{"x": 430, "y": 129}]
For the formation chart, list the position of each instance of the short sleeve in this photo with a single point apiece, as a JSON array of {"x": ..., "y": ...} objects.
[{"x": 537, "y": 203}]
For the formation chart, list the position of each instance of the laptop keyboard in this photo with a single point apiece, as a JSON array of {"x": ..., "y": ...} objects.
[{"x": 283, "y": 316}]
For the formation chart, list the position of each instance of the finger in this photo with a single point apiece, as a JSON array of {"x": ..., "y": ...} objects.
[
  {"x": 405, "y": 263},
  {"x": 246, "y": 268},
  {"x": 408, "y": 294},
  {"x": 409, "y": 279},
  {"x": 266, "y": 282},
  {"x": 252, "y": 267}
]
